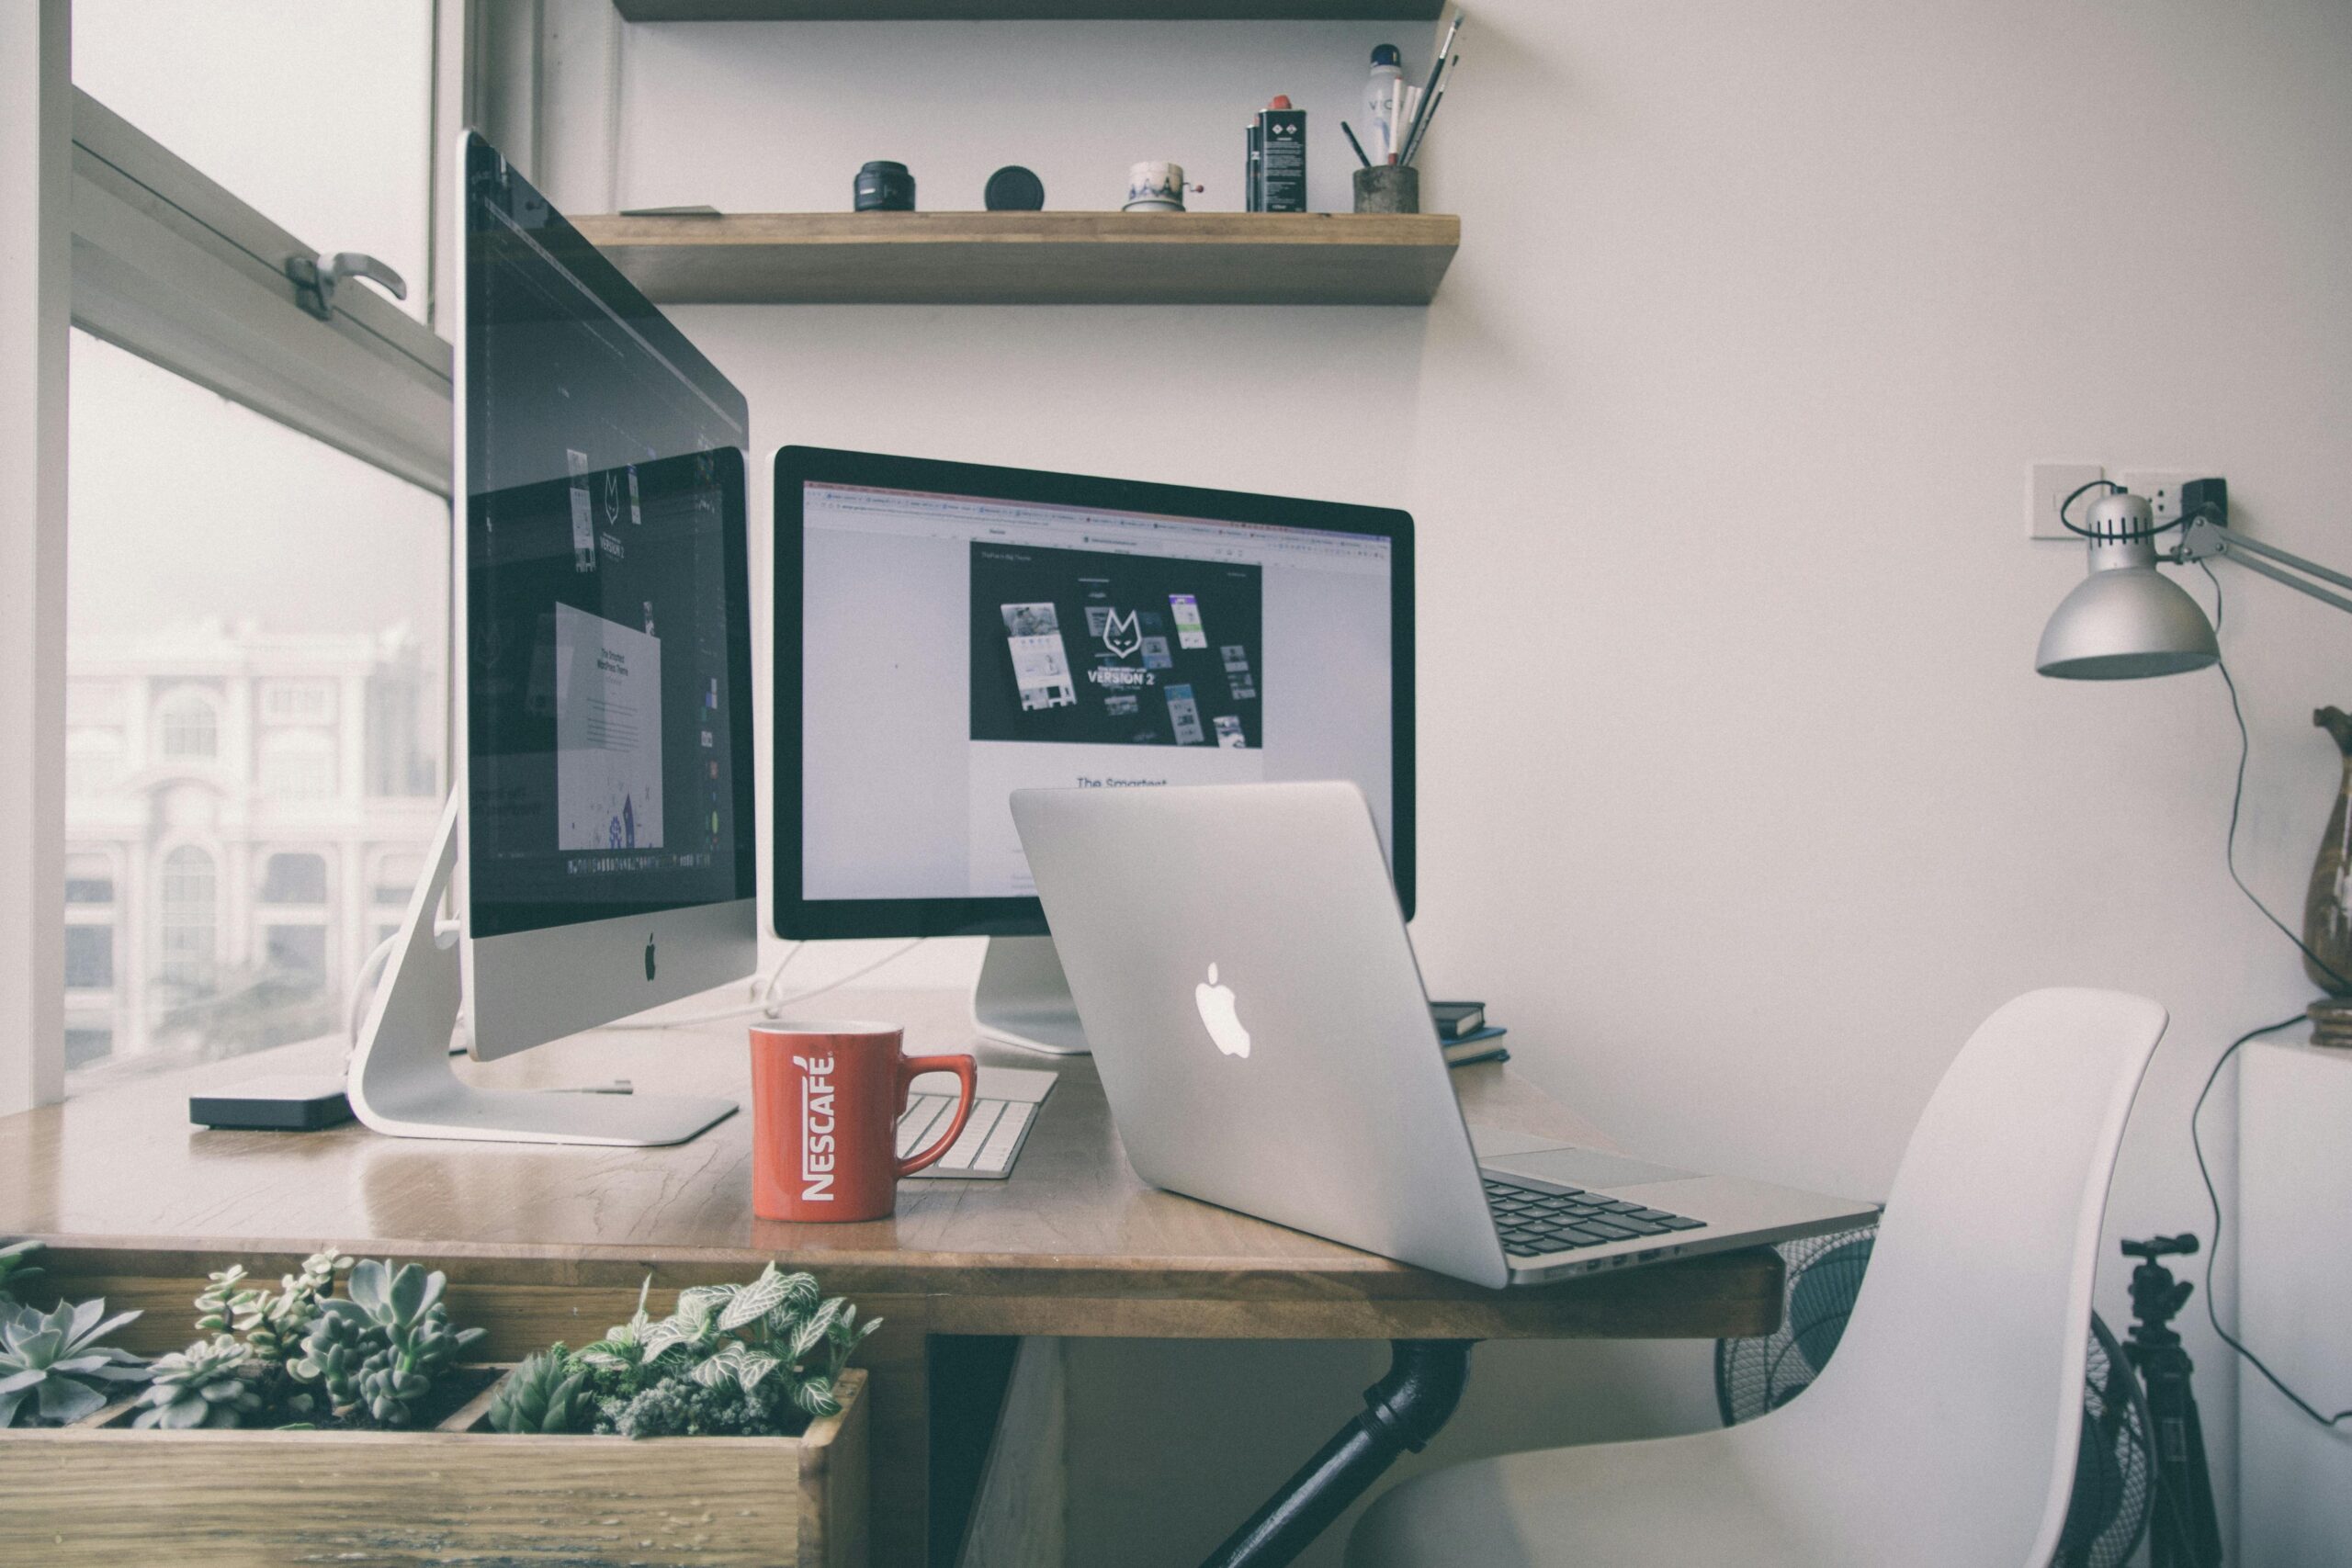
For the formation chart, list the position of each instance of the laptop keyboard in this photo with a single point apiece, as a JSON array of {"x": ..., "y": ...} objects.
[{"x": 1562, "y": 1219}]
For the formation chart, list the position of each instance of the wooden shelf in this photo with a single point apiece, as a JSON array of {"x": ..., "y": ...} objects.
[
  {"x": 1032, "y": 258},
  {"x": 1028, "y": 10}
]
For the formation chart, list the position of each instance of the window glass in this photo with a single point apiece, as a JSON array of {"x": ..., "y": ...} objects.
[
  {"x": 189, "y": 927},
  {"x": 295, "y": 879},
  {"x": 89, "y": 957},
  {"x": 89, "y": 879},
  {"x": 189, "y": 726},
  {"x": 252, "y": 616},
  {"x": 86, "y": 1044},
  {"x": 320, "y": 116},
  {"x": 299, "y": 952}
]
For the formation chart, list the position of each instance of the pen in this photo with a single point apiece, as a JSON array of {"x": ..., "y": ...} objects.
[
  {"x": 1413, "y": 148},
  {"x": 1354, "y": 143},
  {"x": 1429, "y": 111},
  {"x": 1443, "y": 52}
]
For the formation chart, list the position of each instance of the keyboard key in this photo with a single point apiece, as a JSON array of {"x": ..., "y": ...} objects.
[
  {"x": 1639, "y": 1227},
  {"x": 1681, "y": 1223},
  {"x": 1605, "y": 1227},
  {"x": 920, "y": 1121},
  {"x": 1004, "y": 1139},
  {"x": 976, "y": 1131}
]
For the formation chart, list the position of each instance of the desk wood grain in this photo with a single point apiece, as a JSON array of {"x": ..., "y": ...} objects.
[
  {"x": 545, "y": 1243},
  {"x": 1074, "y": 1244}
]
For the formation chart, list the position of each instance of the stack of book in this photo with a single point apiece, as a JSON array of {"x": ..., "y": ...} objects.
[{"x": 1465, "y": 1036}]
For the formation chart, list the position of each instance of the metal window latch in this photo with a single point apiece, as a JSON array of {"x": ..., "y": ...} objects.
[{"x": 314, "y": 278}]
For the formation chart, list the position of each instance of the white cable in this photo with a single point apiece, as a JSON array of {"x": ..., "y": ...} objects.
[{"x": 767, "y": 1003}]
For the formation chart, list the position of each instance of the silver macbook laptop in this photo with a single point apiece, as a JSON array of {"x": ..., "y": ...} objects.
[{"x": 1242, "y": 969}]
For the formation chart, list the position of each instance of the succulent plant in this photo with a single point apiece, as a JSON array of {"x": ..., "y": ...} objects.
[
  {"x": 205, "y": 1386},
  {"x": 545, "y": 1393},
  {"x": 16, "y": 1266},
  {"x": 379, "y": 1350},
  {"x": 272, "y": 1321},
  {"x": 53, "y": 1363}
]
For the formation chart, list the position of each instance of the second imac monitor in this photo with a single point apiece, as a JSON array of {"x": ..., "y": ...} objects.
[{"x": 948, "y": 633}]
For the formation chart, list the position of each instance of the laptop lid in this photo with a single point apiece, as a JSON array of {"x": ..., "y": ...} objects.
[{"x": 1241, "y": 964}]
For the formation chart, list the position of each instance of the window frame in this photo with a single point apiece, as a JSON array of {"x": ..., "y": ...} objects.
[{"x": 136, "y": 246}]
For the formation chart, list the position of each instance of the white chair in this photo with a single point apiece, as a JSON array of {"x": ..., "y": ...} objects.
[{"x": 1943, "y": 1430}]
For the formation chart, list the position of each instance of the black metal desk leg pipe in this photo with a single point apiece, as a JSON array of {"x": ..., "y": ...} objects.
[{"x": 1402, "y": 1412}]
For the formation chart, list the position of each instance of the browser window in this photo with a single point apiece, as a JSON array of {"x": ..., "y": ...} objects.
[{"x": 958, "y": 647}]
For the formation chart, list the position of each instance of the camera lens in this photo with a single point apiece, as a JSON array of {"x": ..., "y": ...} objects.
[{"x": 884, "y": 187}]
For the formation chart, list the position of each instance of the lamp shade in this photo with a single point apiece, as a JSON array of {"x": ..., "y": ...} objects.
[{"x": 2125, "y": 621}]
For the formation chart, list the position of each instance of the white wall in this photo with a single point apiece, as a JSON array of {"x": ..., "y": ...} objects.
[{"x": 1740, "y": 800}]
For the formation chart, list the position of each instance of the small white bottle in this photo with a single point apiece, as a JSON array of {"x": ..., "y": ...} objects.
[{"x": 1381, "y": 97}]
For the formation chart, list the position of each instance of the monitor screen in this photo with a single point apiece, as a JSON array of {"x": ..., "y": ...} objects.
[
  {"x": 606, "y": 622},
  {"x": 957, "y": 633}
]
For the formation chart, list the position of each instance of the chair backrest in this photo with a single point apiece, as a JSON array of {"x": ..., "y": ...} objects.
[{"x": 1944, "y": 1429}]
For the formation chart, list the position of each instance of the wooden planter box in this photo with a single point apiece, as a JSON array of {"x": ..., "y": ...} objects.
[{"x": 103, "y": 1494}]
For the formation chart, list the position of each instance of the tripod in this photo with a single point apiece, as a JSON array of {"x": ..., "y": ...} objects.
[{"x": 2187, "y": 1533}]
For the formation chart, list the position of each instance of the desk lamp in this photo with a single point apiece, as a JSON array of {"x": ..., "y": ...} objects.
[{"x": 2127, "y": 620}]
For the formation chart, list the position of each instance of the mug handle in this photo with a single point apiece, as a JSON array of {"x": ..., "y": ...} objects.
[{"x": 966, "y": 1071}]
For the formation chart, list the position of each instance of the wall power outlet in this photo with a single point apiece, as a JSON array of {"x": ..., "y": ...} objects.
[{"x": 2161, "y": 488}]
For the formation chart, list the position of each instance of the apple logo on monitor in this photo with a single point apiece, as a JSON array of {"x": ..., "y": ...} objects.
[{"x": 1216, "y": 1003}]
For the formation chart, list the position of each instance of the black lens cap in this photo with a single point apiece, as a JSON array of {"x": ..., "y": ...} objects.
[{"x": 1015, "y": 189}]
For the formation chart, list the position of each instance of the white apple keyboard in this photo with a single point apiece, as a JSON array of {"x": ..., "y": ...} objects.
[{"x": 1003, "y": 1109}]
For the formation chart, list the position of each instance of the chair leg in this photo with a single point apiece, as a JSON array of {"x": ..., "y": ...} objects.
[{"x": 1402, "y": 1412}]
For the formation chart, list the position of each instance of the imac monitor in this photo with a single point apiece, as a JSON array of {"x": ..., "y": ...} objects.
[
  {"x": 948, "y": 633},
  {"x": 603, "y": 807}
]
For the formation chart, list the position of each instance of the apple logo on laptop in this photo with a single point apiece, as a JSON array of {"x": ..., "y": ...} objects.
[
  {"x": 1216, "y": 1003},
  {"x": 649, "y": 955}
]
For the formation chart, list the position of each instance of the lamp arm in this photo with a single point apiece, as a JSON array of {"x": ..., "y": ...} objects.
[{"x": 2205, "y": 538}]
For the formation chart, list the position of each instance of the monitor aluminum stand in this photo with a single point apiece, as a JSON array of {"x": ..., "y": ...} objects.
[
  {"x": 1023, "y": 998},
  {"x": 401, "y": 1082}
]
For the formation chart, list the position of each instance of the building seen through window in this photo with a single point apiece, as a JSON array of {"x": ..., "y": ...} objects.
[
  {"x": 256, "y": 708},
  {"x": 255, "y": 837}
]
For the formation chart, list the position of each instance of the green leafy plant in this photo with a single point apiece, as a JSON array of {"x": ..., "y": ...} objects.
[
  {"x": 756, "y": 1359},
  {"x": 545, "y": 1393},
  {"x": 377, "y": 1352},
  {"x": 53, "y": 1368},
  {"x": 211, "y": 1383},
  {"x": 17, "y": 1268}
]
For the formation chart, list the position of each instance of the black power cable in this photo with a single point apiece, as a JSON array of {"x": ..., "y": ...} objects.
[{"x": 2196, "y": 1140}]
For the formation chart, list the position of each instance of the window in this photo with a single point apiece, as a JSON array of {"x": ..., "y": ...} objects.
[
  {"x": 295, "y": 879},
  {"x": 188, "y": 929},
  {"x": 188, "y": 725},
  {"x": 298, "y": 764},
  {"x": 85, "y": 1045},
  {"x": 243, "y": 607},
  {"x": 395, "y": 879},
  {"x": 298, "y": 953},
  {"x": 258, "y": 533},
  {"x": 297, "y": 701},
  {"x": 356, "y": 76},
  {"x": 89, "y": 879},
  {"x": 89, "y": 958}
]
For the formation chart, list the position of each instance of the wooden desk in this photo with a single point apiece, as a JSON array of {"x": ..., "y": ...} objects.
[{"x": 543, "y": 1243}]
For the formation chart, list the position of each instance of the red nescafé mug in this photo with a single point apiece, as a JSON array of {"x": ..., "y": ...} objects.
[{"x": 826, "y": 1100}]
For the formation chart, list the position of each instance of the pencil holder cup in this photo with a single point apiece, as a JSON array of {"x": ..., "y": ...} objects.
[{"x": 1388, "y": 187}]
